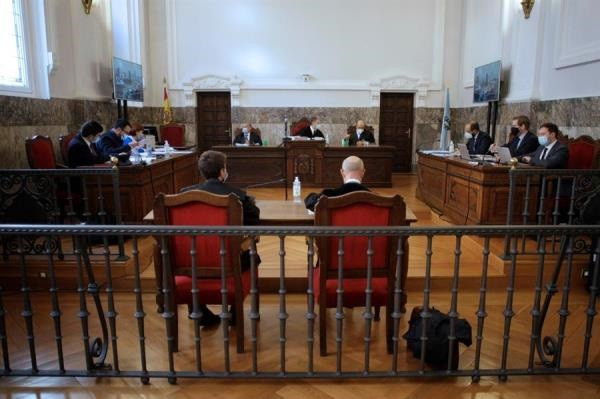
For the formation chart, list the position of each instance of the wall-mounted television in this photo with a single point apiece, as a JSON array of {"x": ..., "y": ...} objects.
[
  {"x": 127, "y": 80},
  {"x": 486, "y": 85}
]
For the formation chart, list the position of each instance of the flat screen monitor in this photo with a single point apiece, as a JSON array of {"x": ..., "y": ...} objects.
[
  {"x": 127, "y": 80},
  {"x": 486, "y": 85}
]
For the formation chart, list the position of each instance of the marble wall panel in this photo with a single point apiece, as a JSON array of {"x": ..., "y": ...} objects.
[{"x": 12, "y": 145}]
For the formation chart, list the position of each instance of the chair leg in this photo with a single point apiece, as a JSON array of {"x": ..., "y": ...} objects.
[
  {"x": 389, "y": 329},
  {"x": 239, "y": 325},
  {"x": 377, "y": 313},
  {"x": 323, "y": 330}
]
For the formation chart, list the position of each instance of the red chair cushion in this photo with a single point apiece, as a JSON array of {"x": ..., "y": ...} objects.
[
  {"x": 207, "y": 247},
  {"x": 581, "y": 155},
  {"x": 355, "y": 248},
  {"x": 209, "y": 290},
  {"x": 42, "y": 154},
  {"x": 174, "y": 135},
  {"x": 295, "y": 130},
  {"x": 354, "y": 291}
]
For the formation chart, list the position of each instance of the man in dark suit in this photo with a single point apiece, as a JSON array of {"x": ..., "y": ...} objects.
[
  {"x": 551, "y": 153},
  {"x": 248, "y": 136},
  {"x": 523, "y": 142},
  {"x": 312, "y": 130},
  {"x": 360, "y": 136},
  {"x": 82, "y": 148},
  {"x": 478, "y": 143},
  {"x": 353, "y": 171},
  {"x": 213, "y": 167},
  {"x": 111, "y": 142}
]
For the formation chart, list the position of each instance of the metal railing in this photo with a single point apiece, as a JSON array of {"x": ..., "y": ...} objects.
[
  {"x": 55, "y": 196},
  {"x": 552, "y": 197},
  {"x": 550, "y": 350}
]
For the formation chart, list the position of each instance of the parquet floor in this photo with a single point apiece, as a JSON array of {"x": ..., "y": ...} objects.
[{"x": 353, "y": 355}]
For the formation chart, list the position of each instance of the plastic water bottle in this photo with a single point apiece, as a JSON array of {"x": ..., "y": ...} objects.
[
  {"x": 167, "y": 149},
  {"x": 137, "y": 158},
  {"x": 451, "y": 146},
  {"x": 297, "y": 190}
]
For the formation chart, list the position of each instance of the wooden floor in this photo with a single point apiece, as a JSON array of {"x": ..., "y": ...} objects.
[{"x": 489, "y": 387}]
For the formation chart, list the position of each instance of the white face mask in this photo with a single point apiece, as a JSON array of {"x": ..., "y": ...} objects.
[
  {"x": 468, "y": 136},
  {"x": 359, "y": 131},
  {"x": 225, "y": 176},
  {"x": 245, "y": 130}
]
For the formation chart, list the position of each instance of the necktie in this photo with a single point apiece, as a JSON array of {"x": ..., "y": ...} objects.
[
  {"x": 544, "y": 153},
  {"x": 519, "y": 141},
  {"x": 247, "y": 136},
  {"x": 92, "y": 150}
]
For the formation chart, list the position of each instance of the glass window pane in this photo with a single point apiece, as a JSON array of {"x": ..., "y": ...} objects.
[{"x": 13, "y": 66}]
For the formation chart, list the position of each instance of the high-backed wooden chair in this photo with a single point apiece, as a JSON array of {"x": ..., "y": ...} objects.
[
  {"x": 200, "y": 208},
  {"x": 40, "y": 153},
  {"x": 297, "y": 126},
  {"x": 63, "y": 142},
  {"x": 174, "y": 133},
  {"x": 360, "y": 208},
  {"x": 583, "y": 153}
]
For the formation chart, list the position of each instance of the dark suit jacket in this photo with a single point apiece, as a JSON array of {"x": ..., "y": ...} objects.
[
  {"x": 528, "y": 145},
  {"x": 111, "y": 144},
  {"x": 80, "y": 154},
  {"x": 254, "y": 139},
  {"x": 306, "y": 132},
  {"x": 215, "y": 186},
  {"x": 311, "y": 199},
  {"x": 365, "y": 136},
  {"x": 480, "y": 144},
  {"x": 556, "y": 158}
]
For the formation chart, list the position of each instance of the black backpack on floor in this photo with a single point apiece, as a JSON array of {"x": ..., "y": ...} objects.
[{"x": 438, "y": 330}]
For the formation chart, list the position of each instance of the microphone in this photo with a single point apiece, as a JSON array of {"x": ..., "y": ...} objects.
[{"x": 285, "y": 135}]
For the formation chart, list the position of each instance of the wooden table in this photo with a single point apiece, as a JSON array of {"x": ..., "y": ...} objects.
[
  {"x": 286, "y": 213},
  {"x": 317, "y": 164},
  {"x": 139, "y": 184},
  {"x": 467, "y": 193}
]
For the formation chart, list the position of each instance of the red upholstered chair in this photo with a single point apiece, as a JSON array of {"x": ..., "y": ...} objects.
[
  {"x": 297, "y": 126},
  {"x": 63, "y": 142},
  {"x": 359, "y": 208},
  {"x": 40, "y": 153},
  {"x": 583, "y": 153},
  {"x": 174, "y": 133},
  {"x": 200, "y": 208}
]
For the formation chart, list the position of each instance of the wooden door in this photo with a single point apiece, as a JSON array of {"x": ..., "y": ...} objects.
[
  {"x": 396, "y": 126},
  {"x": 213, "y": 119}
]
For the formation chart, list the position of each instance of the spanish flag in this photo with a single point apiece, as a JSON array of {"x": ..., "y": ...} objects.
[{"x": 167, "y": 116}]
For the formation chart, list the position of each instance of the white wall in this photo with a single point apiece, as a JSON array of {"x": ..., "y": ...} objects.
[
  {"x": 554, "y": 54},
  {"x": 346, "y": 45},
  {"x": 82, "y": 49}
]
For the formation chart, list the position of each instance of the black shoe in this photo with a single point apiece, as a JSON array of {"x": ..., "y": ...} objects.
[{"x": 208, "y": 319}]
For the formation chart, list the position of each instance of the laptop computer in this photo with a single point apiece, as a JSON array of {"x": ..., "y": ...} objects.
[
  {"x": 504, "y": 154},
  {"x": 464, "y": 152}
]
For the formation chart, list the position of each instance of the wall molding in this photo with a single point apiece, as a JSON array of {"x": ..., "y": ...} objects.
[
  {"x": 212, "y": 83},
  {"x": 565, "y": 54}
]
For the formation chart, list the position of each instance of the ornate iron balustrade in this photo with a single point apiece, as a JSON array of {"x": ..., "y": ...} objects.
[
  {"x": 54, "y": 196},
  {"x": 96, "y": 350}
]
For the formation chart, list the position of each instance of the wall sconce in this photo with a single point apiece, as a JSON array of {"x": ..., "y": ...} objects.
[
  {"x": 87, "y": 6},
  {"x": 527, "y": 7}
]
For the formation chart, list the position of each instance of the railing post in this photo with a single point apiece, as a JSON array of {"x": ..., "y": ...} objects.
[
  {"x": 509, "y": 210},
  {"x": 118, "y": 215}
]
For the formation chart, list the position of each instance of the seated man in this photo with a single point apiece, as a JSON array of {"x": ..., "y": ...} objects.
[
  {"x": 248, "y": 136},
  {"x": 212, "y": 165},
  {"x": 360, "y": 135},
  {"x": 111, "y": 143},
  {"x": 478, "y": 142},
  {"x": 551, "y": 153},
  {"x": 82, "y": 148},
  {"x": 352, "y": 173},
  {"x": 312, "y": 130},
  {"x": 523, "y": 141}
]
